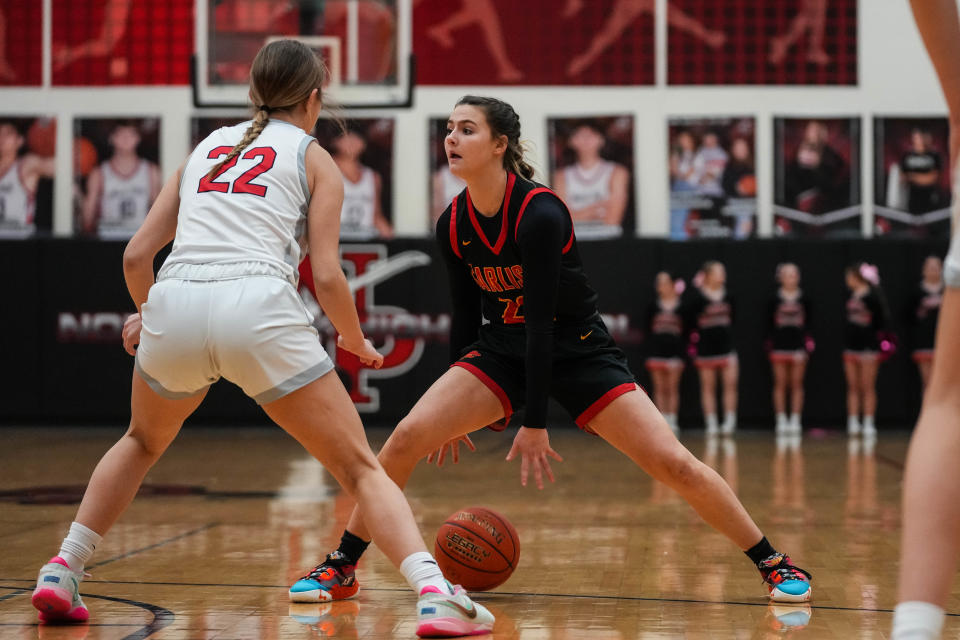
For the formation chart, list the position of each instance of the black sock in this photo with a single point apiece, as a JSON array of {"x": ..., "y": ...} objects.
[
  {"x": 760, "y": 551},
  {"x": 352, "y": 547}
]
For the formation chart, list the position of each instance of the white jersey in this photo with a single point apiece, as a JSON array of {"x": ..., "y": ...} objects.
[
  {"x": 359, "y": 206},
  {"x": 584, "y": 188},
  {"x": 125, "y": 201},
  {"x": 16, "y": 202},
  {"x": 255, "y": 211},
  {"x": 451, "y": 184},
  {"x": 587, "y": 186}
]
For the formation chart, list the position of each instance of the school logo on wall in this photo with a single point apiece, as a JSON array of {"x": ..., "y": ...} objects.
[{"x": 396, "y": 332}]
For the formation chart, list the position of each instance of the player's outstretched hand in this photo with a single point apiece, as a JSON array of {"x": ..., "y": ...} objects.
[
  {"x": 454, "y": 446},
  {"x": 533, "y": 445},
  {"x": 131, "y": 333},
  {"x": 364, "y": 350}
]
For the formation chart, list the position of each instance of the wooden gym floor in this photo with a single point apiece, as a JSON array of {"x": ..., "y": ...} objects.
[{"x": 231, "y": 517}]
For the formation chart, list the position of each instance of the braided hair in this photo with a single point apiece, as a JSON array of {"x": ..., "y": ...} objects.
[
  {"x": 284, "y": 74},
  {"x": 503, "y": 121}
]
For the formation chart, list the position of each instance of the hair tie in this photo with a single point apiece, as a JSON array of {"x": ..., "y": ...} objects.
[{"x": 264, "y": 107}]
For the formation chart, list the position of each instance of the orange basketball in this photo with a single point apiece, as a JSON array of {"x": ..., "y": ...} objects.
[
  {"x": 42, "y": 137},
  {"x": 477, "y": 548},
  {"x": 747, "y": 186},
  {"x": 84, "y": 156}
]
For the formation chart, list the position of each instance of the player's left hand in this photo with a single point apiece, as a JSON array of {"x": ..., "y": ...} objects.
[
  {"x": 533, "y": 445},
  {"x": 131, "y": 333},
  {"x": 454, "y": 446}
]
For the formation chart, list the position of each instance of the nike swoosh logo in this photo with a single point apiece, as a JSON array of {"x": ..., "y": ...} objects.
[
  {"x": 466, "y": 242},
  {"x": 470, "y": 613},
  {"x": 586, "y": 335}
]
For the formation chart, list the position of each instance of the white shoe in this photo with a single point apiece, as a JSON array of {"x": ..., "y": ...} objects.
[
  {"x": 795, "y": 426},
  {"x": 57, "y": 596},
  {"x": 447, "y": 615},
  {"x": 853, "y": 426},
  {"x": 783, "y": 427}
]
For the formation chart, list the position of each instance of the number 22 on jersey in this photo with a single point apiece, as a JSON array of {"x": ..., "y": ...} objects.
[{"x": 242, "y": 184}]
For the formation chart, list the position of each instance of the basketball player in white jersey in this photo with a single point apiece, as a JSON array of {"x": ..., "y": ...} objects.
[
  {"x": 931, "y": 487},
  {"x": 362, "y": 216},
  {"x": 241, "y": 210},
  {"x": 593, "y": 188},
  {"x": 19, "y": 175},
  {"x": 121, "y": 190}
]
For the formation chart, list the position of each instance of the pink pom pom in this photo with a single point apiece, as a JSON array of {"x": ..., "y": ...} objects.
[
  {"x": 809, "y": 344},
  {"x": 679, "y": 286},
  {"x": 870, "y": 273}
]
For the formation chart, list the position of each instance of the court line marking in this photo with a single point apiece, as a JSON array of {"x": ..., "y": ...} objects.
[
  {"x": 205, "y": 527},
  {"x": 162, "y": 617},
  {"x": 19, "y": 591},
  {"x": 502, "y": 593}
]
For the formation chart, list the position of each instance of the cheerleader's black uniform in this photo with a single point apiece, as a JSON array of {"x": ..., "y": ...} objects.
[
  {"x": 712, "y": 319},
  {"x": 665, "y": 336},
  {"x": 925, "y": 309},
  {"x": 789, "y": 320},
  {"x": 866, "y": 316}
]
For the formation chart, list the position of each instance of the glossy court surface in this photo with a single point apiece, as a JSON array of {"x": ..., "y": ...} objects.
[{"x": 229, "y": 517}]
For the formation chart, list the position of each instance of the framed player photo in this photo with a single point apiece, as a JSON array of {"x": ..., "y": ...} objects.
[
  {"x": 444, "y": 186},
  {"x": 535, "y": 42},
  {"x": 911, "y": 177},
  {"x": 753, "y": 42},
  {"x": 21, "y": 40},
  {"x": 121, "y": 42},
  {"x": 202, "y": 126},
  {"x": 363, "y": 150},
  {"x": 27, "y": 166},
  {"x": 817, "y": 177},
  {"x": 713, "y": 184},
  {"x": 116, "y": 170},
  {"x": 591, "y": 169}
]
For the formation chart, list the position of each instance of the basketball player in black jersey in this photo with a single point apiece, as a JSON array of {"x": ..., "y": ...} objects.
[
  {"x": 922, "y": 314},
  {"x": 512, "y": 258},
  {"x": 789, "y": 317}
]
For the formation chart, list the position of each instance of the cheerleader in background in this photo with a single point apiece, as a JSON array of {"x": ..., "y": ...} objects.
[
  {"x": 865, "y": 337},
  {"x": 789, "y": 314},
  {"x": 923, "y": 313},
  {"x": 710, "y": 313},
  {"x": 664, "y": 325}
]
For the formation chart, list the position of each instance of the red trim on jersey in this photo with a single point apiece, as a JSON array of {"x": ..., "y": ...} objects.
[
  {"x": 523, "y": 206},
  {"x": 453, "y": 228},
  {"x": 569, "y": 244},
  {"x": 922, "y": 355},
  {"x": 602, "y": 403},
  {"x": 502, "y": 238},
  {"x": 490, "y": 384}
]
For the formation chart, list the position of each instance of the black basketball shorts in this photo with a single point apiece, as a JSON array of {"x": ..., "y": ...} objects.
[{"x": 589, "y": 369}]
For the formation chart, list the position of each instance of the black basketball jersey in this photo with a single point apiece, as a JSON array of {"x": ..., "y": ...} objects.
[
  {"x": 789, "y": 319},
  {"x": 490, "y": 252}
]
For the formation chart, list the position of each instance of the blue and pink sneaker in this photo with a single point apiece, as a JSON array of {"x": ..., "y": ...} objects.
[
  {"x": 451, "y": 614},
  {"x": 786, "y": 582},
  {"x": 57, "y": 596}
]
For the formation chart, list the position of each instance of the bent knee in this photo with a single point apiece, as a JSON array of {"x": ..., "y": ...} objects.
[
  {"x": 406, "y": 441},
  {"x": 681, "y": 469}
]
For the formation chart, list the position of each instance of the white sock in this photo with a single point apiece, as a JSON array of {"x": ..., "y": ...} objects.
[
  {"x": 916, "y": 621},
  {"x": 868, "y": 424},
  {"x": 781, "y": 418},
  {"x": 853, "y": 424},
  {"x": 729, "y": 421},
  {"x": 78, "y": 547},
  {"x": 712, "y": 424},
  {"x": 421, "y": 570},
  {"x": 795, "y": 420}
]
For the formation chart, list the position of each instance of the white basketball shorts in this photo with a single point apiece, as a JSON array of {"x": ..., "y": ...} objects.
[{"x": 252, "y": 330}]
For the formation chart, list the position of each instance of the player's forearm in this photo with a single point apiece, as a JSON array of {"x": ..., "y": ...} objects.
[
  {"x": 333, "y": 294},
  {"x": 138, "y": 274}
]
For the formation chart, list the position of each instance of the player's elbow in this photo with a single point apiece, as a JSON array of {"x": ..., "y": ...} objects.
[{"x": 136, "y": 256}]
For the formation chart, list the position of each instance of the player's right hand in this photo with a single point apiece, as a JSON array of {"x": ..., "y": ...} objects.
[
  {"x": 364, "y": 350},
  {"x": 131, "y": 333}
]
